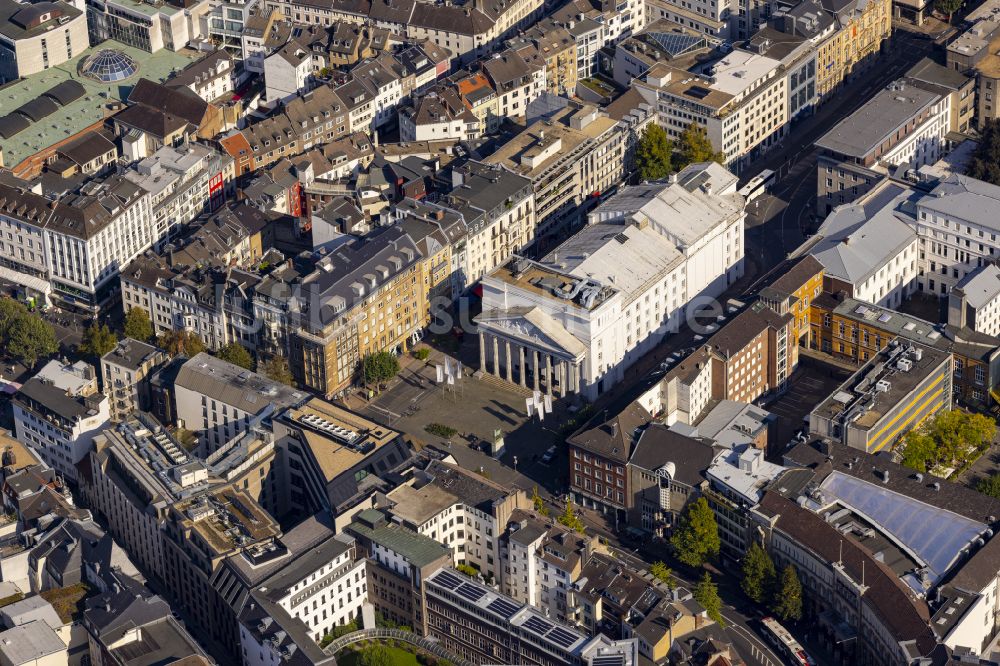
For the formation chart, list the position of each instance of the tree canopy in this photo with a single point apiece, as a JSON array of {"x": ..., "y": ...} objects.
[
  {"x": 538, "y": 502},
  {"x": 948, "y": 7},
  {"x": 376, "y": 654},
  {"x": 181, "y": 342},
  {"x": 24, "y": 335},
  {"x": 654, "y": 153},
  {"x": 696, "y": 538},
  {"x": 379, "y": 367},
  {"x": 662, "y": 573},
  {"x": 236, "y": 354},
  {"x": 98, "y": 340},
  {"x": 989, "y": 485},
  {"x": 706, "y": 593},
  {"x": 569, "y": 518},
  {"x": 985, "y": 162},
  {"x": 949, "y": 438},
  {"x": 137, "y": 325},
  {"x": 758, "y": 573},
  {"x": 787, "y": 602},
  {"x": 695, "y": 146},
  {"x": 277, "y": 369}
]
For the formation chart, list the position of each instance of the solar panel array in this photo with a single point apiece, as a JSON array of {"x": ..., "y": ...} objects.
[
  {"x": 471, "y": 592},
  {"x": 503, "y": 607},
  {"x": 537, "y": 625},
  {"x": 447, "y": 580},
  {"x": 562, "y": 638}
]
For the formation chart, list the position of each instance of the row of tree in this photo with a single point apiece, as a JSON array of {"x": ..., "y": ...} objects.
[
  {"x": 949, "y": 438},
  {"x": 761, "y": 582},
  {"x": 656, "y": 156},
  {"x": 24, "y": 336}
]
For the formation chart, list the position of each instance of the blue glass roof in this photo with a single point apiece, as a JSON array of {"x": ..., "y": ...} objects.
[{"x": 109, "y": 65}]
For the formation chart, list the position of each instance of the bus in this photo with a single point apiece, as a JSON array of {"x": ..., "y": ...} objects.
[
  {"x": 785, "y": 644},
  {"x": 758, "y": 185}
]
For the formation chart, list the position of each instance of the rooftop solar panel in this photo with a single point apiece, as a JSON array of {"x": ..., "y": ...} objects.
[
  {"x": 503, "y": 607},
  {"x": 537, "y": 625},
  {"x": 561, "y": 637},
  {"x": 447, "y": 580},
  {"x": 471, "y": 592}
]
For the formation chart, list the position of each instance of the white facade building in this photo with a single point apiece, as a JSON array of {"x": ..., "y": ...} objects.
[
  {"x": 975, "y": 301},
  {"x": 578, "y": 318},
  {"x": 58, "y": 412}
]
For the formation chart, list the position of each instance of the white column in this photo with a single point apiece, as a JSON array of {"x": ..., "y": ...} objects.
[
  {"x": 576, "y": 377},
  {"x": 510, "y": 371},
  {"x": 496, "y": 356},
  {"x": 534, "y": 362},
  {"x": 561, "y": 376},
  {"x": 482, "y": 351},
  {"x": 521, "y": 367}
]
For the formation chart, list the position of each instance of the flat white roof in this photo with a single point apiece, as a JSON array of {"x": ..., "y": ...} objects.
[{"x": 740, "y": 70}]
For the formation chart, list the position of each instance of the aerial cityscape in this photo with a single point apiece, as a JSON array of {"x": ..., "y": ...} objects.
[{"x": 499, "y": 332}]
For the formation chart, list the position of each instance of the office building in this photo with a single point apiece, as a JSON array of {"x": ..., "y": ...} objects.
[
  {"x": 34, "y": 37},
  {"x": 123, "y": 376},
  {"x": 975, "y": 301}
]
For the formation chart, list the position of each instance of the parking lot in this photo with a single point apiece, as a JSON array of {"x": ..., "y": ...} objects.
[{"x": 812, "y": 381}]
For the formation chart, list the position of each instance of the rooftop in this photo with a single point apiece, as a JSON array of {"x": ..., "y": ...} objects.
[
  {"x": 130, "y": 353},
  {"x": 91, "y": 107},
  {"x": 881, "y": 384},
  {"x": 981, "y": 286},
  {"x": 890, "y": 110},
  {"x": 418, "y": 549},
  {"x": 742, "y": 470},
  {"x": 231, "y": 384}
]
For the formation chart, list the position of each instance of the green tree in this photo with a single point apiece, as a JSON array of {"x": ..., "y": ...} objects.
[
  {"x": 422, "y": 354},
  {"x": 662, "y": 573},
  {"x": 989, "y": 485},
  {"x": 985, "y": 162},
  {"x": 10, "y": 311},
  {"x": 654, "y": 153},
  {"x": 920, "y": 451},
  {"x": 706, "y": 593},
  {"x": 539, "y": 503},
  {"x": 948, "y": 7},
  {"x": 758, "y": 573},
  {"x": 98, "y": 340},
  {"x": 379, "y": 367},
  {"x": 137, "y": 325},
  {"x": 176, "y": 343},
  {"x": 787, "y": 602},
  {"x": 277, "y": 369},
  {"x": 30, "y": 338},
  {"x": 376, "y": 654},
  {"x": 569, "y": 518},
  {"x": 696, "y": 539},
  {"x": 695, "y": 146},
  {"x": 236, "y": 354}
]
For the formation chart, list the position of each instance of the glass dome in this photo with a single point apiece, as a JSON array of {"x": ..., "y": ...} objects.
[{"x": 108, "y": 65}]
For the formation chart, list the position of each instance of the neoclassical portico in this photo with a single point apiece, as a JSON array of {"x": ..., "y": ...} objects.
[{"x": 526, "y": 346}]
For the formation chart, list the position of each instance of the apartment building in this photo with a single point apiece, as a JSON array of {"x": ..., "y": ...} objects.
[
  {"x": 205, "y": 299},
  {"x": 32, "y": 39},
  {"x": 960, "y": 89},
  {"x": 369, "y": 296},
  {"x": 709, "y": 17},
  {"x": 499, "y": 210},
  {"x": 975, "y": 301},
  {"x": 903, "y": 124},
  {"x": 493, "y": 619},
  {"x": 334, "y": 457},
  {"x": 467, "y": 32},
  {"x": 219, "y": 401},
  {"x": 794, "y": 291},
  {"x": 400, "y": 559},
  {"x": 57, "y": 413},
  {"x": 593, "y": 305},
  {"x": 210, "y": 78},
  {"x": 891, "y": 394},
  {"x": 741, "y": 101},
  {"x": 125, "y": 487},
  {"x": 552, "y": 44},
  {"x": 869, "y": 249},
  {"x": 123, "y": 376},
  {"x": 862, "y": 31},
  {"x": 542, "y": 559},
  {"x": 183, "y": 183},
  {"x": 598, "y": 25},
  {"x": 436, "y": 116},
  {"x": 666, "y": 471},
  {"x": 516, "y": 82},
  {"x": 227, "y": 21},
  {"x": 460, "y": 509},
  {"x": 659, "y": 41},
  {"x": 317, "y": 117},
  {"x": 574, "y": 155}
]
